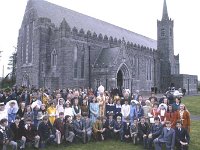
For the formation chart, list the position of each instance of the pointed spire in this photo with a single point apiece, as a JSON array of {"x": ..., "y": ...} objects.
[{"x": 165, "y": 12}]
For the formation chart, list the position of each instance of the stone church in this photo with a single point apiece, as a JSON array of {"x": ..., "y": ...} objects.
[{"x": 60, "y": 48}]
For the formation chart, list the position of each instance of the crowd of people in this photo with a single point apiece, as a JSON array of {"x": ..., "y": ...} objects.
[{"x": 39, "y": 118}]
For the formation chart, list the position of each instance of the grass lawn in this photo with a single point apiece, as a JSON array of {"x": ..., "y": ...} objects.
[{"x": 192, "y": 104}]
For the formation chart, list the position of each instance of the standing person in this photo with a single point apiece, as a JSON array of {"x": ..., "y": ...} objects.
[
  {"x": 68, "y": 130},
  {"x": 17, "y": 130},
  {"x": 6, "y": 137},
  {"x": 102, "y": 104},
  {"x": 167, "y": 137},
  {"x": 176, "y": 104},
  {"x": 51, "y": 112},
  {"x": 184, "y": 116},
  {"x": 182, "y": 137},
  {"x": 154, "y": 132},
  {"x": 171, "y": 115},
  {"x": 68, "y": 109},
  {"x": 118, "y": 107},
  {"x": 94, "y": 110},
  {"x": 125, "y": 110},
  {"x": 12, "y": 108},
  {"x": 76, "y": 107},
  {"x": 21, "y": 110}
]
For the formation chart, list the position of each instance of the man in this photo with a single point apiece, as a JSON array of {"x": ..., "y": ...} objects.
[
  {"x": 143, "y": 129},
  {"x": 59, "y": 127},
  {"x": 167, "y": 137},
  {"x": 78, "y": 128},
  {"x": 98, "y": 129},
  {"x": 134, "y": 131},
  {"x": 6, "y": 137},
  {"x": 68, "y": 130},
  {"x": 45, "y": 131},
  {"x": 87, "y": 126},
  {"x": 109, "y": 124},
  {"x": 17, "y": 128},
  {"x": 118, "y": 128},
  {"x": 182, "y": 137},
  {"x": 126, "y": 130},
  {"x": 155, "y": 131},
  {"x": 30, "y": 132}
]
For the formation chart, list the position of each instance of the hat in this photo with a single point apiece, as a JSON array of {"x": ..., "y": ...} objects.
[{"x": 40, "y": 115}]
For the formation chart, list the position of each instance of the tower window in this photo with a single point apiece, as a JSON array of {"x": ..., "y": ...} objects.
[
  {"x": 171, "y": 32},
  {"x": 162, "y": 32}
]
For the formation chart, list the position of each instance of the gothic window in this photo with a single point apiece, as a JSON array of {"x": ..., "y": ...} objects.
[
  {"x": 54, "y": 58},
  {"x": 75, "y": 62},
  {"x": 82, "y": 63},
  {"x": 138, "y": 67},
  {"x": 148, "y": 69},
  {"x": 24, "y": 45},
  {"x": 30, "y": 42},
  {"x": 162, "y": 32}
]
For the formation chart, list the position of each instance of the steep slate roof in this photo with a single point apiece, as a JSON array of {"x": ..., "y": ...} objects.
[
  {"x": 107, "y": 57},
  {"x": 57, "y": 13}
]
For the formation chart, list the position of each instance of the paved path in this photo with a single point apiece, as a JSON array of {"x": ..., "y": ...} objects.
[{"x": 195, "y": 118}]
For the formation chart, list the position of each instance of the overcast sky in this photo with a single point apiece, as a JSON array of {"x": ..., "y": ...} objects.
[{"x": 139, "y": 16}]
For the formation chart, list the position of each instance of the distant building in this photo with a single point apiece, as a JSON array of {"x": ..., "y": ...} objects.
[{"x": 59, "y": 48}]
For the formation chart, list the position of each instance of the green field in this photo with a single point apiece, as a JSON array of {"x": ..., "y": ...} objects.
[{"x": 192, "y": 104}]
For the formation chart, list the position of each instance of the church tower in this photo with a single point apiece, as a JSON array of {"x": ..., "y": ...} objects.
[{"x": 165, "y": 46}]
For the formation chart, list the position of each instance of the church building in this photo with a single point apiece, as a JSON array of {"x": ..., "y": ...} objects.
[{"x": 60, "y": 48}]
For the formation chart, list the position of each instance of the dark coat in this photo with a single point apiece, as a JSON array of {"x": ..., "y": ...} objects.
[
  {"x": 45, "y": 130},
  {"x": 182, "y": 135},
  {"x": 59, "y": 125},
  {"x": 17, "y": 131}
]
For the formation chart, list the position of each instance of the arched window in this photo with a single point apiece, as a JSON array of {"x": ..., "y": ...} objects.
[
  {"x": 53, "y": 58},
  {"x": 82, "y": 63},
  {"x": 75, "y": 62}
]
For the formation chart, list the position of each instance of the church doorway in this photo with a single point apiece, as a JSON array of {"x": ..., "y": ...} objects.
[{"x": 120, "y": 80}]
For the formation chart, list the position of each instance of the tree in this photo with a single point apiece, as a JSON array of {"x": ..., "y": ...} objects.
[{"x": 12, "y": 66}]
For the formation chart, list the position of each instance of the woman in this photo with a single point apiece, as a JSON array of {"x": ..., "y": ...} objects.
[
  {"x": 60, "y": 106},
  {"x": 94, "y": 110},
  {"x": 51, "y": 112},
  {"x": 21, "y": 110},
  {"x": 171, "y": 116},
  {"x": 68, "y": 109},
  {"x": 184, "y": 116}
]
